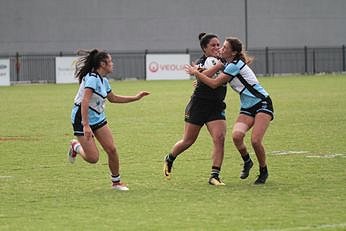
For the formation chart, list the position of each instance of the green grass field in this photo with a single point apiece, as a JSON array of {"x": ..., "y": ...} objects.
[{"x": 305, "y": 146}]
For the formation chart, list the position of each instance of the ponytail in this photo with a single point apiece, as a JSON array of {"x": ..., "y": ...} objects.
[{"x": 88, "y": 62}]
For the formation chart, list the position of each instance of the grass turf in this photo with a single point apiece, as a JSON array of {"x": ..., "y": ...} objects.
[{"x": 39, "y": 190}]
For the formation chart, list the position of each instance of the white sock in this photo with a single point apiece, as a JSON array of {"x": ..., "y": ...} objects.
[
  {"x": 77, "y": 147},
  {"x": 115, "y": 178}
]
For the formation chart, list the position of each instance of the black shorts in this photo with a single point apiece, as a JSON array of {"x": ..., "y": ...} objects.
[
  {"x": 265, "y": 106},
  {"x": 78, "y": 127},
  {"x": 201, "y": 111}
]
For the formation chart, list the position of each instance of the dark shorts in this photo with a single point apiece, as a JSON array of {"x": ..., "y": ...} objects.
[
  {"x": 201, "y": 111},
  {"x": 265, "y": 106},
  {"x": 78, "y": 127}
]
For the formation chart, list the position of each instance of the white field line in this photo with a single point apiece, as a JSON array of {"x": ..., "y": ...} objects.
[
  {"x": 331, "y": 155},
  {"x": 312, "y": 227},
  {"x": 5, "y": 177},
  {"x": 288, "y": 152},
  {"x": 328, "y": 155}
]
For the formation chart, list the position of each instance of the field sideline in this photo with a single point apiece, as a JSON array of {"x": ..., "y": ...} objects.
[{"x": 305, "y": 145}]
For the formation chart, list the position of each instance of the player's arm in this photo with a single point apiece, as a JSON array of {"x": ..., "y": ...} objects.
[
  {"x": 213, "y": 83},
  {"x": 84, "y": 111},
  {"x": 114, "y": 98}
]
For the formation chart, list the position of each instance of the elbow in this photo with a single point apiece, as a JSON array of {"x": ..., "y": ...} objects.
[{"x": 113, "y": 100}]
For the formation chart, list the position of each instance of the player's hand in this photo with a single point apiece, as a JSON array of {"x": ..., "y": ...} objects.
[
  {"x": 191, "y": 69},
  {"x": 194, "y": 83},
  {"x": 141, "y": 94},
  {"x": 88, "y": 133}
]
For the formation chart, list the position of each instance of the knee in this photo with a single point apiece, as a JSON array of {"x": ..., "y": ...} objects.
[
  {"x": 237, "y": 137},
  {"x": 93, "y": 159},
  {"x": 188, "y": 141},
  {"x": 219, "y": 138},
  {"x": 238, "y": 133},
  {"x": 111, "y": 151},
  {"x": 256, "y": 142}
]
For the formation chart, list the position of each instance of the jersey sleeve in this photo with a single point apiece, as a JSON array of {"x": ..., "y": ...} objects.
[
  {"x": 107, "y": 85},
  {"x": 231, "y": 69},
  {"x": 90, "y": 82}
]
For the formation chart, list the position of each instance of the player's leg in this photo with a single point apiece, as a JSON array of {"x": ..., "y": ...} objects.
[
  {"x": 262, "y": 121},
  {"x": 190, "y": 135},
  {"x": 195, "y": 118},
  {"x": 87, "y": 149},
  {"x": 241, "y": 126},
  {"x": 105, "y": 138},
  {"x": 217, "y": 130},
  {"x": 83, "y": 146}
]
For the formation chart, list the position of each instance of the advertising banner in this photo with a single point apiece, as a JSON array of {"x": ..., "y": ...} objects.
[
  {"x": 166, "y": 66},
  {"x": 64, "y": 69},
  {"x": 4, "y": 72}
]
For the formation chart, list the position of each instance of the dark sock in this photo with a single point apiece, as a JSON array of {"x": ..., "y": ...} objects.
[
  {"x": 170, "y": 158},
  {"x": 246, "y": 158},
  {"x": 215, "y": 171},
  {"x": 263, "y": 170}
]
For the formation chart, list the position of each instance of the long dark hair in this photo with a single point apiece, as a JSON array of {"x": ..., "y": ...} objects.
[
  {"x": 237, "y": 46},
  {"x": 204, "y": 39},
  {"x": 89, "y": 62}
]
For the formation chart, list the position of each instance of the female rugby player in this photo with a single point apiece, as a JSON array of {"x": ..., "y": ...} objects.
[
  {"x": 88, "y": 115},
  {"x": 256, "y": 110},
  {"x": 206, "y": 106}
]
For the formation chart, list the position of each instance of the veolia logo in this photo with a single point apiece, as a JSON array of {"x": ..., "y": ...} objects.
[
  {"x": 153, "y": 66},
  {"x": 3, "y": 66}
]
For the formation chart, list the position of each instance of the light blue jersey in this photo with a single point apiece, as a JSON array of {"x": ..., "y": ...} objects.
[
  {"x": 243, "y": 80},
  {"x": 100, "y": 87}
]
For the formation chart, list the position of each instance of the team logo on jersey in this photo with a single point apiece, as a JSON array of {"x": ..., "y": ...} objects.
[{"x": 264, "y": 105}]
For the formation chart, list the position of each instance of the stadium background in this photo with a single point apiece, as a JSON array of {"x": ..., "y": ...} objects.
[{"x": 285, "y": 36}]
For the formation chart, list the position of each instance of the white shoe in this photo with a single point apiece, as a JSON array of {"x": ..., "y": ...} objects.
[
  {"x": 216, "y": 181},
  {"x": 72, "y": 154},
  {"x": 120, "y": 186}
]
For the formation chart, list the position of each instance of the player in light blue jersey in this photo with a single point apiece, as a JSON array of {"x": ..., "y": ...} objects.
[
  {"x": 256, "y": 109},
  {"x": 88, "y": 116}
]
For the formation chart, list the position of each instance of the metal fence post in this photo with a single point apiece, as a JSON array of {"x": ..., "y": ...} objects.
[
  {"x": 17, "y": 66},
  {"x": 306, "y": 59},
  {"x": 313, "y": 61},
  {"x": 145, "y": 64},
  {"x": 273, "y": 63},
  {"x": 267, "y": 60},
  {"x": 343, "y": 58}
]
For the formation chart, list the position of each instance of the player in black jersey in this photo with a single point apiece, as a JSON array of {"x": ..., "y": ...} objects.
[{"x": 206, "y": 106}]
